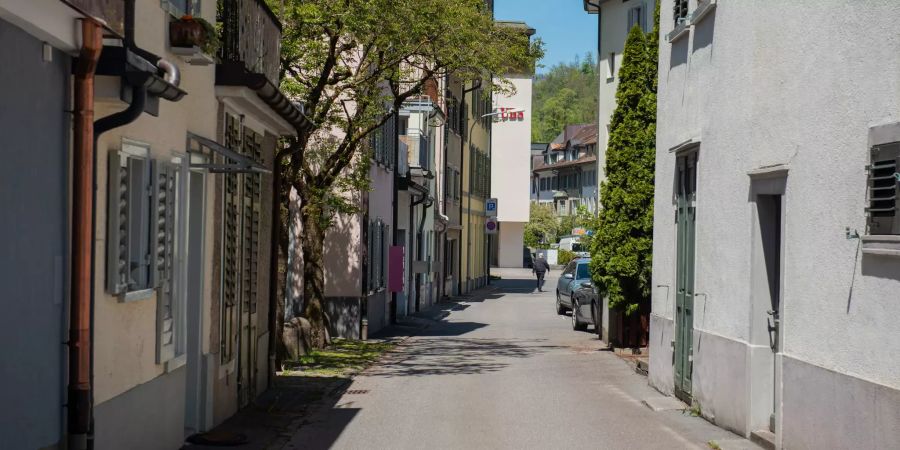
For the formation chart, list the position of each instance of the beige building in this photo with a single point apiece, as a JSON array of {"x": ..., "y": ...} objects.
[{"x": 179, "y": 221}]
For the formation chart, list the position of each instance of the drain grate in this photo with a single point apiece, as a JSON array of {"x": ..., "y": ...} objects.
[{"x": 357, "y": 392}]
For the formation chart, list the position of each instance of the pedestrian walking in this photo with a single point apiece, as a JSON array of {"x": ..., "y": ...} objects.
[{"x": 540, "y": 268}]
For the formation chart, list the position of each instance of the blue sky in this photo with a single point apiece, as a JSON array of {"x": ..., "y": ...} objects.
[{"x": 566, "y": 29}]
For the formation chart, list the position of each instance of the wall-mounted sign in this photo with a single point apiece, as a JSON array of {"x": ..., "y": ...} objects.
[
  {"x": 490, "y": 207},
  {"x": 509, "y": 115},
  {"x": 491, "y": 225}
]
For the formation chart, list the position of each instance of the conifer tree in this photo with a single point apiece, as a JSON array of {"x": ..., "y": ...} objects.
[{"x": 622, "y": 247}]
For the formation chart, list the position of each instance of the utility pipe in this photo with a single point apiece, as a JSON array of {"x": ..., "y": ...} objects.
[{"x": 79, "y": 389}]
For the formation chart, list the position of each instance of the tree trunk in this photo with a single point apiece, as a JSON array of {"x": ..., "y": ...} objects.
[{"x": 313, "y": 246}]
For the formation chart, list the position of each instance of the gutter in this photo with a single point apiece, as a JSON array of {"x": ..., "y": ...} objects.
[{"x": 80, "y": 361}]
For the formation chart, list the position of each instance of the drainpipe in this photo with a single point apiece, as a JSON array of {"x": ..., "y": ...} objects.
[
  {"x": 79, "y": 389},
  {"x": 462, "y": 164}
]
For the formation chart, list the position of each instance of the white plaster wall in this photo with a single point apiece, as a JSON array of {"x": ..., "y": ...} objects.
[
  {"x": 796, "y": 83},
  {"x": 512, "y": 240},
  {"x": 613, "y": 32},
  {"x": 511, "y": 154}
]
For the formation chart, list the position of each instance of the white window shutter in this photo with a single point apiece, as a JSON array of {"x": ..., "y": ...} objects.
[
  {"x": 117, "y": 256},
  {"x": 162, "y": 256}
]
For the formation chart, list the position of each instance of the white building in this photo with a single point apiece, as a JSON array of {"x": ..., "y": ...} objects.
[
  {"x": 510, "y": 177},
  {"x": 776, "y": 260},
  {"x": 614, "y": 20}
]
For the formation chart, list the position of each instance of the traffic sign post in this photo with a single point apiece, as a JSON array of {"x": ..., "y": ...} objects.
[
  {"x": 491, "y": 225},
  {"x": 490, "y": 207}
]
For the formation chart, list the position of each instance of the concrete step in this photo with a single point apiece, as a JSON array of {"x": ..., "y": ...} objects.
[{"x": 763, "y": 438}]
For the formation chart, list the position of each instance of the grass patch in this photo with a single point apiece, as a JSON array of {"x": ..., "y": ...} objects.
[
  {"x": 342, "y": 359},
  {"x": 714, "y": 445}
]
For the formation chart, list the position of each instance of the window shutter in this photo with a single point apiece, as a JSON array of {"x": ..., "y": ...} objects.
[
  {"x": 162, "y": 256},
  {"x": 117, "y": 256},
  {"x": 884, "y": 188}
]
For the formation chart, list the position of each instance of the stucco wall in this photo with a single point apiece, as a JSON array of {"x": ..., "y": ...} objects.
[
  {"x": 511, "y": 149},
  {"x": 756, "y": 91},
  {"x": 125, "y": 333},
  {"x": 512, "y": 241}
]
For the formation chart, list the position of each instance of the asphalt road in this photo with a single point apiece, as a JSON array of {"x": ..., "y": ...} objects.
[{"x": 504, "y": 371}]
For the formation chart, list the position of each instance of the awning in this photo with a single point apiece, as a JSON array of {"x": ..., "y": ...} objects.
[
  {"x": 237, "y": 163},
  {"x": 560, "y": 194}
]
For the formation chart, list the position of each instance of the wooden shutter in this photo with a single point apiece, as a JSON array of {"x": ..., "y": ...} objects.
[
  {"x": 230, "y": 218},
  {"x": 162, "y": 259},
  {"x": 884, "y": 188},
  {"x": 117, "y": 256},
  {"x": 252, "y": 148}
]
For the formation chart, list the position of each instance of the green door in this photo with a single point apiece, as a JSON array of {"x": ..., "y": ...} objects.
[{"x": 684, "y": 302}]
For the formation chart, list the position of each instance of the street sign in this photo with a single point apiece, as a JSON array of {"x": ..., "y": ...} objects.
[
  {"x": 491, "y": 225},
  {"x": 490, "y": 207}
]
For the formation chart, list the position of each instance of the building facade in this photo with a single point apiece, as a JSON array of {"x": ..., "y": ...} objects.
[
  {"x": 565, "y": 175},
  {"x": 614, "y": 20},
  {"x": 160, "y": 273},
  {"x": 510, "y": 140},
  {"x": 775, "y": 254}
]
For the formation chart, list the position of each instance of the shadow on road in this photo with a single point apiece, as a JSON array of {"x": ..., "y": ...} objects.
[{"x": 459, "y": 356}]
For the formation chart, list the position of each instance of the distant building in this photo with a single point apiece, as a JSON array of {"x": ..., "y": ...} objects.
[
  {"x": 511, "y": 135},
  {"x": 565, "y": 174}
]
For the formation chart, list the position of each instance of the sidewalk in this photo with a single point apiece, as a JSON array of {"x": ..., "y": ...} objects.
[{"x": 270, "y": 421}]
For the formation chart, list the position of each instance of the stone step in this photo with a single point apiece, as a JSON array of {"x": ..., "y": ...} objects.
[{"x": 763, "y": 438}]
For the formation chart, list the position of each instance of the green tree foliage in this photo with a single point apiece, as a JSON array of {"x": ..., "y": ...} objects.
[
  {"x": 622, "y": 248},
  {"x": 350, "y": 62},
  {"x": 542, "y": 228},
  {"x": 565, "y": 95}
]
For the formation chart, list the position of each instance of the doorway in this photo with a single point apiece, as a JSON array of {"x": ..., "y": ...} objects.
[
  {"x": 195, "y": 417},
  {"x": 686, "y": 218}
]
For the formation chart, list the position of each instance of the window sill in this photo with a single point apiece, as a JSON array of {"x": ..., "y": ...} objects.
[
  {"x": 135, "y": 296},
  {"x": 883, "y": 245},
  {"x": 193, "y": 55},
  {"x": 176, "y": 362},
  {"x": 703, "y": 9},
  {"x": 680, "y": 31}
]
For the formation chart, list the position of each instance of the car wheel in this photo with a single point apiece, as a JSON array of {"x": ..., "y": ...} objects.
[
  {"x": 560, "y": 309},
  {"x": 576, "y": 324}
]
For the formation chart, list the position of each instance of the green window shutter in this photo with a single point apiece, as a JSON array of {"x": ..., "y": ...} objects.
[
  {"x": 117, "y": 256},
  {"x": 162, "y": 256}
]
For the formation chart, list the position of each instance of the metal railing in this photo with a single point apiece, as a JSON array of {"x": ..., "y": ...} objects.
[{"x": 251, "y": 34}]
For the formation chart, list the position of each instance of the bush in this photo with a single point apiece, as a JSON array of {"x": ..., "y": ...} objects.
[{"x": 565, "y": 257}]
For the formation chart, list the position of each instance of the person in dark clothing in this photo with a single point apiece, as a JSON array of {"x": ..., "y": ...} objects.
[{"x": 540, "y": 269}]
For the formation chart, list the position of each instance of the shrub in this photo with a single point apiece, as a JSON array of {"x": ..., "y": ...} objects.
[{"x": 565, "y": 257}]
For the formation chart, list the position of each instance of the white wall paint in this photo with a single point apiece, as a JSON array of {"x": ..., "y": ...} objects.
[
  {"x": 757, "y": 91},
  {"x": 511, "y": 155}
]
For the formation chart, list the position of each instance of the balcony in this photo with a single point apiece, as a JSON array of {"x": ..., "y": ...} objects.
[{"x": 251, "y": 38}]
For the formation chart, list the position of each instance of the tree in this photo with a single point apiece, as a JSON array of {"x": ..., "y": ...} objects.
[
  {"x": 542, "y": 228},
  {"x": 621, "y": 250},
  {"x": 568, "y": 87},
  {"x": 351, "y": 63}
]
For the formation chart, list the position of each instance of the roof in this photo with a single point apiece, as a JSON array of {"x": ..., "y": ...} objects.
[
  {"x": 580, "y": 134},
  {"x": 563, "y": 164},
  {"x": 593, "y": 6}
]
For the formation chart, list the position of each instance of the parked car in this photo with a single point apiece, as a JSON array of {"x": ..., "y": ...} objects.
[
  {"x": 575, "y": 273},
  {"x": 587, "y": 298}
]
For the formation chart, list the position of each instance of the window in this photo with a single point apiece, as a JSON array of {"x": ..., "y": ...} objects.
[
  {"x": 584, "y": 271},
  {"x": 611, "y": 66},
  {"x": 636, "y": 17},
  {"x": 376, "y": 277},
  {"x": 129, "y": 207},
  {"x": 680, "y": 12},
  {"x": 180, "y": 8},
  {"x": 383, "y": 142},
  {"x": 884, "y": 187}
]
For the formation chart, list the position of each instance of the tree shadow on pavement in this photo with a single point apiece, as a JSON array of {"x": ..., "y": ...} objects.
[{"x": 458, "y": 356}]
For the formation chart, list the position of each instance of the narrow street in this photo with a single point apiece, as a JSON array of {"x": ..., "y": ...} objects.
[{"x": 504, "y": 371}]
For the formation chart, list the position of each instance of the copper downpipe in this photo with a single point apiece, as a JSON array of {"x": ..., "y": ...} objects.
[{"x": 79, "y": 399}]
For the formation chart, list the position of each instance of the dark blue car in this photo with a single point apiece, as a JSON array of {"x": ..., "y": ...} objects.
[{"x": 573, "y": 276}]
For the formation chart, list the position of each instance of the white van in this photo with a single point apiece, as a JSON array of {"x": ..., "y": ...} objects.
[{"x": 573, "y": 244}]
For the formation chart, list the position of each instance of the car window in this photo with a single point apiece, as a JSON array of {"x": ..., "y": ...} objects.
[
  {"x": 584, "y": 271},
  {"x": 570, "y": 268}
]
